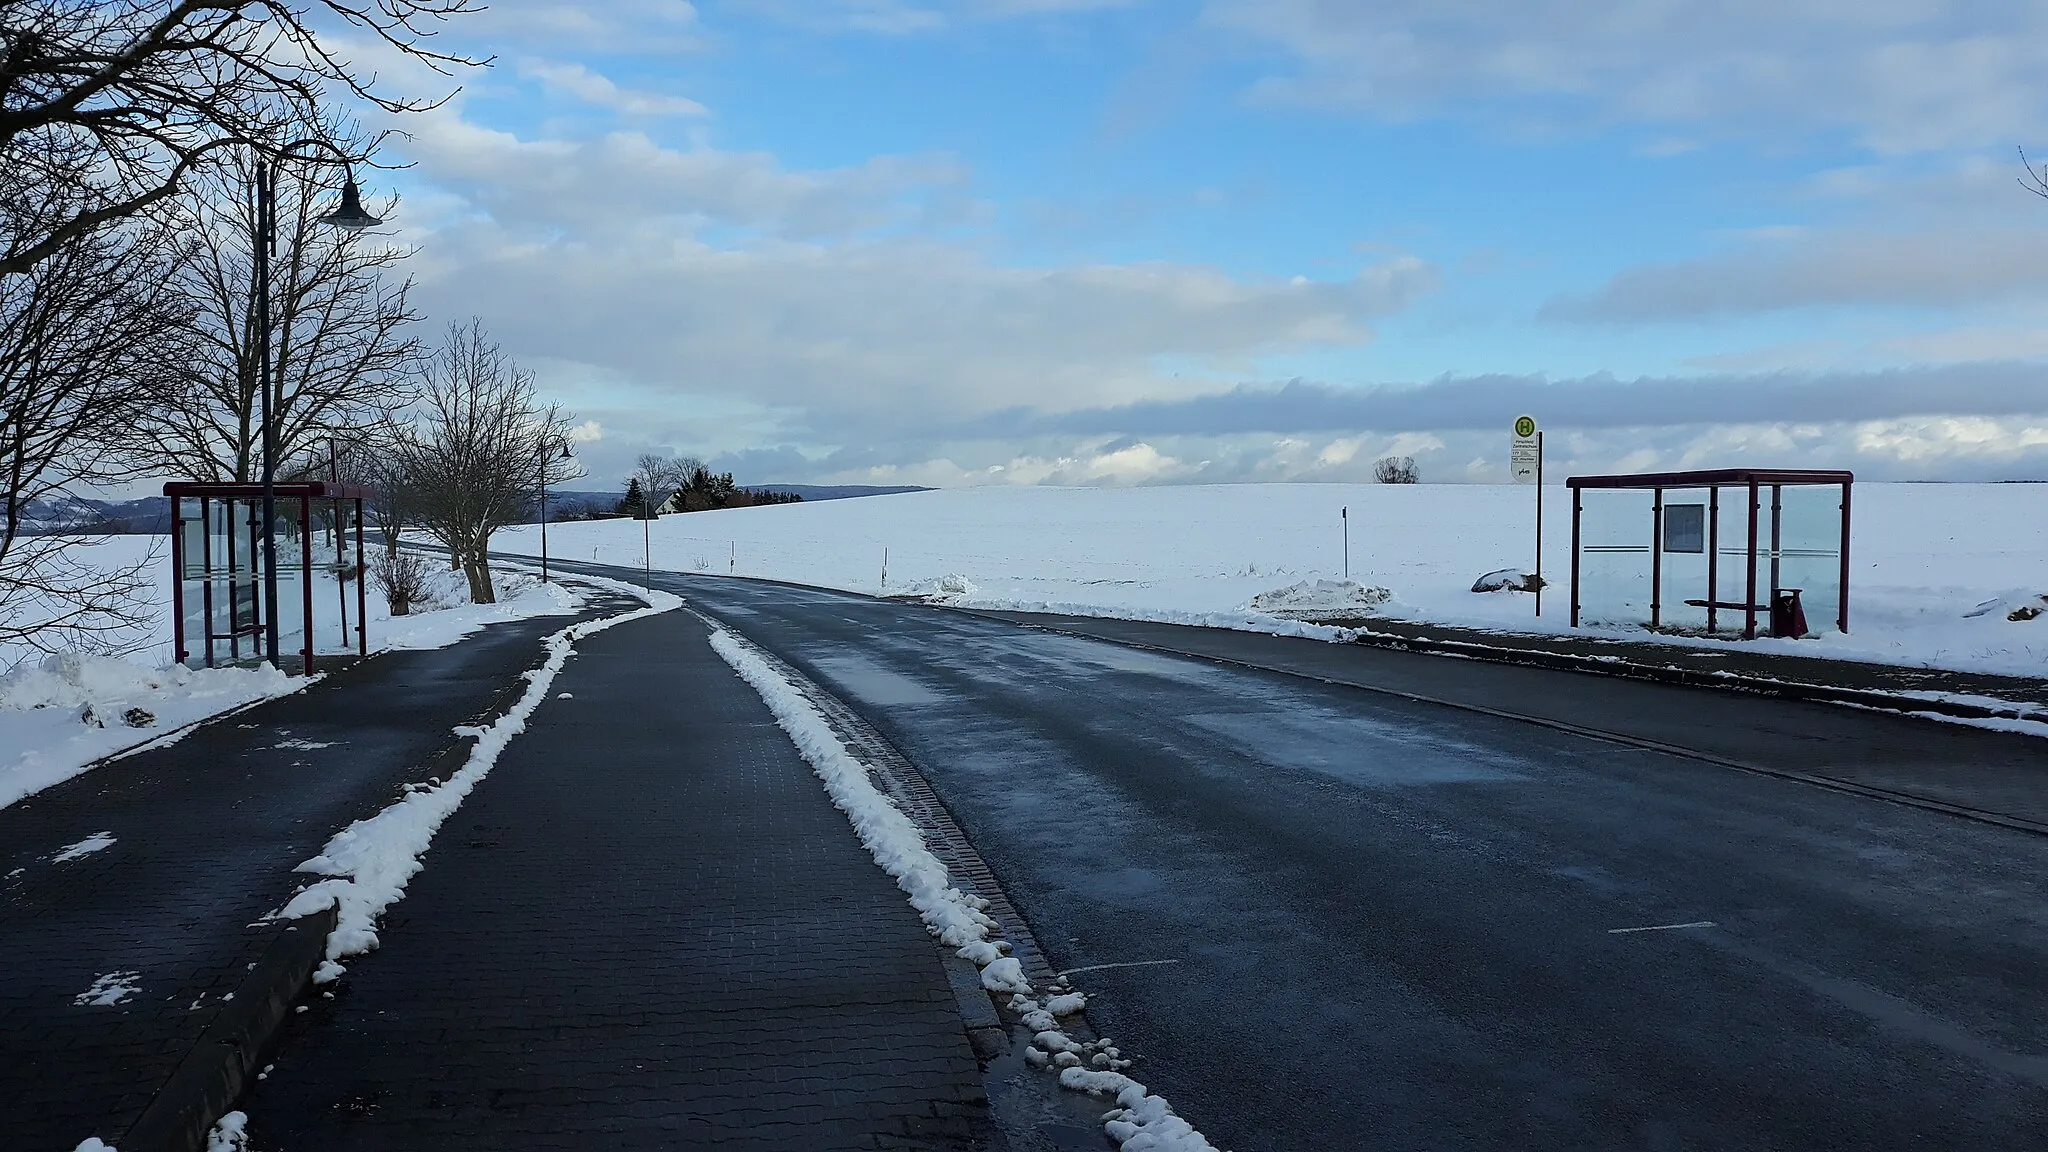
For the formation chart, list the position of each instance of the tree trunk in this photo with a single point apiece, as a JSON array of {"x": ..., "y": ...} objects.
[{"x": 477, "y": 565}]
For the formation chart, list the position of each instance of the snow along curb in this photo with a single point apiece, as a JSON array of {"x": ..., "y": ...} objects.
[
  {"x": 1141, "y": 1122},
  {"x": 370, "y": 861}
]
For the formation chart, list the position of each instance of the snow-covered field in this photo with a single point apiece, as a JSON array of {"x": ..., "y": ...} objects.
[
  {"x": 1924, "y": 555},
  {"x": 61, "y": 713}
]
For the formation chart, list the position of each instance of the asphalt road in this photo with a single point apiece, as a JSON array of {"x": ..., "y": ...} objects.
[{"x": 1401, "y": 925}]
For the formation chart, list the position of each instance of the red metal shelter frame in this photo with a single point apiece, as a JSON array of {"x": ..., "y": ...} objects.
[
  {"x": 346, "y": 497},
  {"x": 1713, "y": 480}
]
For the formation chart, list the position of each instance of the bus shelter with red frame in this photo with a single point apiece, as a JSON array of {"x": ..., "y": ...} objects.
[
  {"x": 1801, "y": 535},
  {"x": 217, "y": 572}
]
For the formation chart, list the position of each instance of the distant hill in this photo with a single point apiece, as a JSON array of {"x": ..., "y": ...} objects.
[{"x": 61, "y": 514}]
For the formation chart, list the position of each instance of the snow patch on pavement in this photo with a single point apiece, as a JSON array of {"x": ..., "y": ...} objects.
[
  {"x": 85, "y": 847},
  {"x": 109, "y": 989},
  {"x": 369, "y": 863},
  {"x": 231, "y": 1133},
  {"x": 1141, "y": 1122}
]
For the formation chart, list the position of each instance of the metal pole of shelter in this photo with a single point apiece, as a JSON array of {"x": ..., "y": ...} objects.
[
  {"x": 1777, "y": 546},
  {"x": 1749, "y": 608},
  {"x": 177, "y": 579},
  {"x": 1656, "y": 558},
  {"x": 1713, "y": 554},
  {"x": 1577, "y": 506},
  {"x": 306, "y": 572},
  {"x": 1842, "y": 604}
]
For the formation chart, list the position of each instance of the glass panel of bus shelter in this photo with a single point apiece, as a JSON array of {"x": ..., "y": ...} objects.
[
  {"x": 222, "y": 621},
  {"x": 334, "y": 589},
  {"x": 1685, "y": 559},
  {"x": 1614, "y": 556},
  {"x": 1733, "y": 581},
  {"x": 291, "y": 584},
  {"x": 1810, "y": 550}
]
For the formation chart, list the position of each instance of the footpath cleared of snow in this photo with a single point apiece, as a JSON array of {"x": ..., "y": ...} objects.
[
  {"x": 61, "y": 714},
  {"x": 1924, "y": 557},
  {"x": 1140, "y": 1122},
  {"x": 368, "y": 864}
]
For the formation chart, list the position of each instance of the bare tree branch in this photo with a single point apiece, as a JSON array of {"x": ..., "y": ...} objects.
[
  {"x": 342, "y": 346},
  {"x": 121, "y": 99},
  {"x": 85, "y": 338}
]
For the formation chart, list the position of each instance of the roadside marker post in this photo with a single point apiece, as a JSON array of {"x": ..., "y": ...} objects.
[
  {"x": 1344, "y": 514},
  {"x": 1525, "y": 466}
]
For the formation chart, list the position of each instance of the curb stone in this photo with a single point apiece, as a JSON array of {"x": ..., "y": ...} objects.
[
  {"x": 1686, "y": 677},
  {"x": 222, "y": 1065}
]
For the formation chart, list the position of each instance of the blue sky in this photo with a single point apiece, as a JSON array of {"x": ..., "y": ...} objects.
[{"x": 1066, "y": 241}]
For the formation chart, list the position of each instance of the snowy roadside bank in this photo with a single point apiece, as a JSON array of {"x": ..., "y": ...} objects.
[
  {"x": 1140, "y": 1122},
  {"x": 60, "y": 715}
]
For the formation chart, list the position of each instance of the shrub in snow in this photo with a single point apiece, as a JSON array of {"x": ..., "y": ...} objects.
[
  {"x": 1509, "y": 580},
  {"x": 1320, "y": 596},
  {"x": 402, "y": 577}
]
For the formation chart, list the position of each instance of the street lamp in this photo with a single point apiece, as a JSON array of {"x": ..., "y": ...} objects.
[
  {"x": 548, "y": 457},
  {"x": 349, "y": 217}
]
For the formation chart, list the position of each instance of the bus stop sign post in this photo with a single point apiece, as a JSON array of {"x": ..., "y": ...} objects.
[{"x": 1525, "y": 464}]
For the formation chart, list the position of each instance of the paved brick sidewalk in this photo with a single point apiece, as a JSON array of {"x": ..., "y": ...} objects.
[
  {"x": 206, "y": 833},
  {"x": 647, "y": 928}
]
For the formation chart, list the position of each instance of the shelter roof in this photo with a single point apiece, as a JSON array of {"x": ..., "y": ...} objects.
[
  {"x": 1715, "y": 477},
  {"x": 315, "y": 489}
]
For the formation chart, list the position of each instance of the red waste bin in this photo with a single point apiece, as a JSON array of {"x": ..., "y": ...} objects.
[{"x": 1788, "y": 616}]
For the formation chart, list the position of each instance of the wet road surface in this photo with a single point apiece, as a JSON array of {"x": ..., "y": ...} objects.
[{"x": 1397, "y": 925}]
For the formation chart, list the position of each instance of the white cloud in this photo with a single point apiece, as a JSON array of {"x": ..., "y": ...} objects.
[
  {"x": 705, "y": 299},
  {"x": 1949, "y": 267},
  {"x": 599, "y": 91},
  {"x": 903, "y": 17},
  {"x": 1899, "y": 75}
]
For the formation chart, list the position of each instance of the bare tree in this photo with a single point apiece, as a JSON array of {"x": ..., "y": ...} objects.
[
  {"x": 341, "y": 333},
  {"x": 473, "y": 461},
  {"x": 1396, "y": 470},
  {"x": 85, "y": 336},
  {"x": 118, "y": 101},
  {"x": 661, "y": 476}
]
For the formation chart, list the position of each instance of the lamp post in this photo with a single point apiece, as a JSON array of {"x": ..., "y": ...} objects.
[
  {"x": 548, "y": 457},
  {"x": 350, "y": 217}
]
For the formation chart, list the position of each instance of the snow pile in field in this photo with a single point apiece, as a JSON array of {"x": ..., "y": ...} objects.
[
  {"x": 1921, "y": 557},
  {"x": 1141, "y": 1122},
  {"x": 950, "y": 586},
  {"x": 1320, "y": 598},
  {"x": 66, "y": 711}
]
